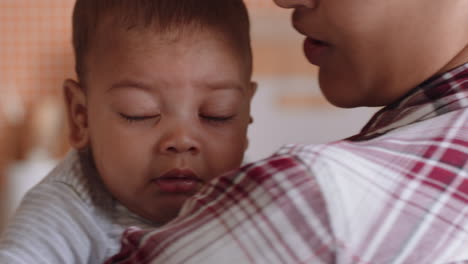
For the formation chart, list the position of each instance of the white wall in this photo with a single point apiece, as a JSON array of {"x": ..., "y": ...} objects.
[{"x": 310, "y": 120}]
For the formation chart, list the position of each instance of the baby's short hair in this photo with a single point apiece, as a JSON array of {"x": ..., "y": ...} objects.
[{"x": 227, "y": 16}]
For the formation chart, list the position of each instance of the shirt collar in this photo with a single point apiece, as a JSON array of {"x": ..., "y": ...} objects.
[{"x": 436, "y": 96}]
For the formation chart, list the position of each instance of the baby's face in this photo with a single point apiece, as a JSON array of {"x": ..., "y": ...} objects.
[{"x": 165, "y": 115}]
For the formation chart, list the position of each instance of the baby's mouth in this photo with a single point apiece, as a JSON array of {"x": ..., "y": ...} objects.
[{"x": 178, "y": 181}]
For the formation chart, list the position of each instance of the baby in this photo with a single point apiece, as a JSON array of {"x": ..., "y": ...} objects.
[{"x": 161, "y": 105}]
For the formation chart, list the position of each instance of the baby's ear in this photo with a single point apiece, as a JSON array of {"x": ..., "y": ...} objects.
[
  {"x": 252, "y": 89},
  {"x": 77, "y": 113}
]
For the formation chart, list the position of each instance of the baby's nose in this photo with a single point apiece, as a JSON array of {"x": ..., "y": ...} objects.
[
  {"x": 179, "y": 140},
  {"x": 296, "y": 3}
]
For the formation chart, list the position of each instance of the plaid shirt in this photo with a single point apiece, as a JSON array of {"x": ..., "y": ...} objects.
[{"x": 395, "y": 193}]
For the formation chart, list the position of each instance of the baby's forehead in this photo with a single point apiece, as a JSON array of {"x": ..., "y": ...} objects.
[
  {"x": 201, "y": 57},
  {"x": 153, "y": 42},
  {"x": 139, "y": 45}
]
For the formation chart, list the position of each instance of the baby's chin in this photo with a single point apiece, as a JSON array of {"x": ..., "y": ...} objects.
[{"x": 163, "y": 211}]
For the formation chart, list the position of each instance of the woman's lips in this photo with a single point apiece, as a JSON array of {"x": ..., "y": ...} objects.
[
  {"x": 178, "y": 181},
  {"x": 315, "y": 50}
]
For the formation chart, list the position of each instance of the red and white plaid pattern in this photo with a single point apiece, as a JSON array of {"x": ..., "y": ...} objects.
[{"x": 395, "y": 193}]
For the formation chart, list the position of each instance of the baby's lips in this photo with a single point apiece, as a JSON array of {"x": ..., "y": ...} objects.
[
  {"x": 174, "y": 185},
  {"x": 178, "y": 181},
  {"x": 180, "y": 174}
]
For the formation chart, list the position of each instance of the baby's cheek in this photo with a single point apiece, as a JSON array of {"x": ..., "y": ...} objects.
[
  {"x": 117, "y": 171},
  {"x": 232, "y": 156}
]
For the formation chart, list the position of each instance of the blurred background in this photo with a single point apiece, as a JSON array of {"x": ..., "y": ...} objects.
[{"x": 36, "y": 55}]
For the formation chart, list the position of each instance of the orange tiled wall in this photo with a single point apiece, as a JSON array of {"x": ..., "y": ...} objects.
[
  {"x": 35, "y": 55},
  {"x": 35, "y": 48}
]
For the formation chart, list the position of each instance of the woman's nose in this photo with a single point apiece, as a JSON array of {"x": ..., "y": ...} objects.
[
  {"x": 296, "y": 3},
  {"x": 179, "y": 140}
]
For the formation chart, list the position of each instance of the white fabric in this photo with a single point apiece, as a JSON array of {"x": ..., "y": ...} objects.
[{"x": 67, "y": 218}]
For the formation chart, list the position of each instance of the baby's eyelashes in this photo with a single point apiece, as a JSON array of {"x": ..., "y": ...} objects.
[
  {"x": 217, "y": 119},
  {"x": 139, "y": 118}
]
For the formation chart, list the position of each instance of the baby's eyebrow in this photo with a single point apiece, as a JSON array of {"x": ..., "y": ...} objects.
[
  {"x": 125, "y": 84},
  {"x": 225, "y": 85},
  {"x": 214, "y": 85}
]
